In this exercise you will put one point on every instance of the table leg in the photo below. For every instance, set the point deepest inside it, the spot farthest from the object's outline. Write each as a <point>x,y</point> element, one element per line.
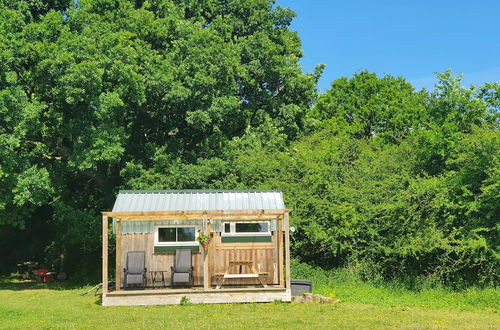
<point>262,282</point>
<point>221,281</point>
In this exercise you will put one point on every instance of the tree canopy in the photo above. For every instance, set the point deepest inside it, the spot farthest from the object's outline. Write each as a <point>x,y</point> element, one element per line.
<point>158,94</point>
<point>117,84</point>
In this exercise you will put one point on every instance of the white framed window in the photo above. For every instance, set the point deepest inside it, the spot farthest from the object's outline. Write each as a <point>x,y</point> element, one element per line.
<point>246,228</point>
<point>177,235</point>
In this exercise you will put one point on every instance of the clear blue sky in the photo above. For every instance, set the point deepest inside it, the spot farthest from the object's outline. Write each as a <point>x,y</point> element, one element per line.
<point>411,38</point>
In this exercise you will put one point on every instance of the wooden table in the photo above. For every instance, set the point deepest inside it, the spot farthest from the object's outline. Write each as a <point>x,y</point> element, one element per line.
<point>154,274</point>
<point>250,268</point>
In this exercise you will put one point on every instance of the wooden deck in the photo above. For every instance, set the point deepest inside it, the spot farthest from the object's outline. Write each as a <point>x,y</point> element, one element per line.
<point>195,295</point>
<point>270,259</point>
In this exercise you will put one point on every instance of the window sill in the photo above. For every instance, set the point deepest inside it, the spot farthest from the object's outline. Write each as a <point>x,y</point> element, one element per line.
<point>193,243</point>
<point>245,234</point>
<point>166,249</point>
<point>246,239</point>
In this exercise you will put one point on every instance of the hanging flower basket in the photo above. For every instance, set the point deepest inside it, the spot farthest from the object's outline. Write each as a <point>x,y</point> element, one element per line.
<point>203,238</point>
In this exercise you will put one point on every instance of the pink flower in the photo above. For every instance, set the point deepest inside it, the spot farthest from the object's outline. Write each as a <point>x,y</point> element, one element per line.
<point>199,230</point>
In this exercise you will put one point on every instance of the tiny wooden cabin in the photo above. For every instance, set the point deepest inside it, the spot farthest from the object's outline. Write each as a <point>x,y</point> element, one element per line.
<point>247,257</point>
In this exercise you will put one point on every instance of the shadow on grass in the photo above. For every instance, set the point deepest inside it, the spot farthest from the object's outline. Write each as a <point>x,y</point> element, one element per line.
<point>16,284</point>
<point>98,301</point>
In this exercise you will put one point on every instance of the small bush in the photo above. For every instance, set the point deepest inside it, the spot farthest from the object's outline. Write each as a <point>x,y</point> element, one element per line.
<point>185,301</point>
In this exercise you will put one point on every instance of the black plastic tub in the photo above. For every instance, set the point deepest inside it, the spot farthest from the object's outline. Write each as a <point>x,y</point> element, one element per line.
<point>301,286</point>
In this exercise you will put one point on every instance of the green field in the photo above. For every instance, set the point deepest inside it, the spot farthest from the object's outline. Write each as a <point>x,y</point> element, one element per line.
<point>363,305</point>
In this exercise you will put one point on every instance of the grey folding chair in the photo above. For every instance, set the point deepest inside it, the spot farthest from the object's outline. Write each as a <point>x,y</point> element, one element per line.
<point>182,272</point>
<point>135,273</point>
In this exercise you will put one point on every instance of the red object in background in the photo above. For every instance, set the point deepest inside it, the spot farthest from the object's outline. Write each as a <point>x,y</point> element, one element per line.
<point>43,275</point>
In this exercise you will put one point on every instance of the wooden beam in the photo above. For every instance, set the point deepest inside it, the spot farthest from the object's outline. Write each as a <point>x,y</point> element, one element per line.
<point>287,251</point>
<point>194,217</point>
<point>280,251</point>
<point>118,249</point>
<point>104,255</point>
<point>206,250</point>
<point>209,275</point>
<point>199,214</point>
<point>213,254</point>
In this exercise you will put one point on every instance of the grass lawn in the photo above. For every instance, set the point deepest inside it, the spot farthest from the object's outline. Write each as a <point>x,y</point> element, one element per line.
<point>26,305</point>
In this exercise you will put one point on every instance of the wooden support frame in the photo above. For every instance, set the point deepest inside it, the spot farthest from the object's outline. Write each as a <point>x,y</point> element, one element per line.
<point>118,250</point>
<point>280,252</point>
<point>193,217</point>
<point>197,215</point>
<point>282,241</point>
<point>104,255</point>
<point>287,251</point>
<point>206,251</point>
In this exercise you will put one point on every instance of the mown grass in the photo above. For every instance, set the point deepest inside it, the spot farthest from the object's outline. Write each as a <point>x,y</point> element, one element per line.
<point>363,305</point>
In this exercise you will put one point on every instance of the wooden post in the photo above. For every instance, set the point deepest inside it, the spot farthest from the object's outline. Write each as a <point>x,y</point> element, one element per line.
<point>205,254</point>
<point>104,255</point>
<point>209,274</point>
<point>280,251</point>
<point>287,251</point>
<point>118,249</point>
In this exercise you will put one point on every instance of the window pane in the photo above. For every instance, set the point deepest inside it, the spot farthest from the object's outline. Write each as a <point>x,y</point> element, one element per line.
<point>166,234</point>
<point>252,227</point>
<point>185,234</point>
<point>227,227</point>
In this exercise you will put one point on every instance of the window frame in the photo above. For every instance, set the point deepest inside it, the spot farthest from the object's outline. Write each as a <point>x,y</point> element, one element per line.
<point>233,233</point>
<point>176,243</point>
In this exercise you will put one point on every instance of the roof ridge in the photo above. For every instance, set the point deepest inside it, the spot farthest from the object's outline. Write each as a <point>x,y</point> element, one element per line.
<point>197,199</point>
<point>196,191</point>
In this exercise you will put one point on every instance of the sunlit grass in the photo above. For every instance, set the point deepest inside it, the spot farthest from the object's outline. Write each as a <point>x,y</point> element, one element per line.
<point>28,305</point>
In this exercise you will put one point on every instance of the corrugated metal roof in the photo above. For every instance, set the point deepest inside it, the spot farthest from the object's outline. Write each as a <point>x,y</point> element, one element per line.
<point>197,200</point>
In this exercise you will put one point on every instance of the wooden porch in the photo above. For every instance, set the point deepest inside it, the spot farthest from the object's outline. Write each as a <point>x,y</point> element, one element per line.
<point>196,295</point>
<point>270,261</point>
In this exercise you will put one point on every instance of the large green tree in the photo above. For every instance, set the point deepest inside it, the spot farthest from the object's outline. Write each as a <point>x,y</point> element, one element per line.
<point>420,202</point>
<point>124,84</point>
<point>366,105</point>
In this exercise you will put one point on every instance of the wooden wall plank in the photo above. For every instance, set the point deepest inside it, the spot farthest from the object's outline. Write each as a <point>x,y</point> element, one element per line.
<point>118,249</point>
<point>213,259</point>
<point>155,261</point>
<point>221,253</point>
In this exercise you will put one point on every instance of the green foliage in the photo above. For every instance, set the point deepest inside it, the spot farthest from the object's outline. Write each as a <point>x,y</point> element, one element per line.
<point>184,301</point>
<point>203,239</point>
<point>367,106</point>
<point>120,91</point>
<point>350,288</point>
<point>420,204</point>
<point>157,94</point>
